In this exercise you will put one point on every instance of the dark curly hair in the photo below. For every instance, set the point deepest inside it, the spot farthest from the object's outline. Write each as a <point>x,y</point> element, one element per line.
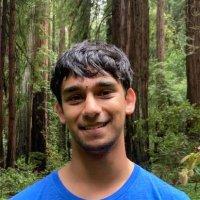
<point>87,59</point>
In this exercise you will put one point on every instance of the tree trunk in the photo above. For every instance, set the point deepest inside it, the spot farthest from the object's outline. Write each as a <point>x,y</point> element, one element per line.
<point>130,31</point>
<point>39,110</point>
<point>160,55</point>
<point>193,51</point>
<point>62,45</point>
<point>1,98</point>
<point>3,40</point>
<point>11,153</point>
<point>193,61</point>
<point>30,70</point>
<point>53,27</point>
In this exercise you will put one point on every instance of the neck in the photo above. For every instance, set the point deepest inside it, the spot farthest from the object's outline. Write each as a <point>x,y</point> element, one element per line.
<point>97,175</point>
<point>103,167</point>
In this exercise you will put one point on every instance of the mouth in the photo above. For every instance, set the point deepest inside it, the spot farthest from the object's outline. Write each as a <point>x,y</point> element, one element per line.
<point>93,126</point>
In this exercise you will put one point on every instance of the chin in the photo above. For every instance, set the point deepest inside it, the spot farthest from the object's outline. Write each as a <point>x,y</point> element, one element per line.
<point>101,149</point>
<point>98,150</point>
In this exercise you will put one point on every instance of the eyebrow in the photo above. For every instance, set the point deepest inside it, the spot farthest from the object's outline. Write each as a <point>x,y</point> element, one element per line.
<point>101,84</point>
<point>105,84</point>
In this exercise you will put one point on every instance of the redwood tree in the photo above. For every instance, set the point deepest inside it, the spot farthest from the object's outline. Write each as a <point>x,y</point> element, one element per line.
<point>62,46</point>
<point>130,31</point>
<point>3,40</point>
<point>160,84</point>
<point>160,55</point>
<point>11,153</point>
<point>39,106</point>
<point>193,51</point>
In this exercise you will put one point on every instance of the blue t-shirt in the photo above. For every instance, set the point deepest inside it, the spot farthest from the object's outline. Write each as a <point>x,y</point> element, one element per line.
<point>141,185</point>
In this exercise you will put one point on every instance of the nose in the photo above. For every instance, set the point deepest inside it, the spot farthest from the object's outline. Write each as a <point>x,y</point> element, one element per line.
<point>91,108</point>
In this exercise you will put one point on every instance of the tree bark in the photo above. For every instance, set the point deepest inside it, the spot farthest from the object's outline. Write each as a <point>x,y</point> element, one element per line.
<point>11,153</point>
<point>193,51</point>
<point>193,61</point>
<point>130,31</point>
<point>62,45</point>
<point>39,110</point>
<point>3,40</point>
<point>160,55</point>
<point>53,27</point>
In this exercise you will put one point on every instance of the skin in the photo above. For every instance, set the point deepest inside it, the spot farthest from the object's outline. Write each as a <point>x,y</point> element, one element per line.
<point>94,110</point>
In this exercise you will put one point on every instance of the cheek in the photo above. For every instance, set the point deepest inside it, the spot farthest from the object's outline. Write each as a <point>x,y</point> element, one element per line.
<point>118,110</point>
<point>70,115</point>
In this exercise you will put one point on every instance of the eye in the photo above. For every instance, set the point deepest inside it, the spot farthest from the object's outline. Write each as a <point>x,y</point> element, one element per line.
<point>74,99</point>
<point>105,94</point>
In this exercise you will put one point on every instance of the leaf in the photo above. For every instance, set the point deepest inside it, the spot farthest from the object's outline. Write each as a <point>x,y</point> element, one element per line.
<point>186,158</point>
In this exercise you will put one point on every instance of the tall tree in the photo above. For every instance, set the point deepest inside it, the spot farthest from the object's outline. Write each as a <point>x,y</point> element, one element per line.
<point>62,45</point>
<point>3,40</point>
<point>11,153</point>
<point>130,31</point>
<point>160,55</point>
<point>193,51</point>
<point>39,107</point>
<point>53,26</point>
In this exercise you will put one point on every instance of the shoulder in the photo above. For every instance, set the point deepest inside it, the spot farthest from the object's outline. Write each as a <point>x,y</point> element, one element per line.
<point>36,190</point>
<point>157,188</point>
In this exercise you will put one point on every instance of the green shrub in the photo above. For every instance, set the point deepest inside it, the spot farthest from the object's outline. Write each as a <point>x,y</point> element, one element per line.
<point>14,180</point>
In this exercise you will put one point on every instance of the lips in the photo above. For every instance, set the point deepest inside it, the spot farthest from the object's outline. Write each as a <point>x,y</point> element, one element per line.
<point>93,126</point>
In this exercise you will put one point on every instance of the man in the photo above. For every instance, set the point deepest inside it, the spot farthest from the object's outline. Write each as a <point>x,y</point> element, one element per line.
<point>92,84</point>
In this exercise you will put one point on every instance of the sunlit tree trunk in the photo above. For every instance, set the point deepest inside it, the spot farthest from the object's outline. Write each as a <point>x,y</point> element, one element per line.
<point>39,107</point>
<point>28,84</point>
<point>193,51</point>
<point>11,152</point>
<point>130,31</point>
<point>160,55</point>
<point>3,40</point>
<point>53,26</point>
<point>62,45</point>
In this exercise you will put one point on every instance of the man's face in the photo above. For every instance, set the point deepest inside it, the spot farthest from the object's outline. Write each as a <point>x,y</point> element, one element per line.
<point>94,110</point>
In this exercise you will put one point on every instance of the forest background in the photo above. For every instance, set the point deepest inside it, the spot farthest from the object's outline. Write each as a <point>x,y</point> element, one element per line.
<point>162,41</point>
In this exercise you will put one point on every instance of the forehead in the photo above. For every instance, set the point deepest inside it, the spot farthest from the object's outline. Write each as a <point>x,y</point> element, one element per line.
<point>84,82</point>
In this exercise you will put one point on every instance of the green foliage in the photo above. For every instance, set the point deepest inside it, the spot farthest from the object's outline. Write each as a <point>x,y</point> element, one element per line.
<point>169,138</point>
<point>100,13</point>
<point>171,122</point>
<point>14,180</point>
<point>192,190</point>
<point>56,156</point>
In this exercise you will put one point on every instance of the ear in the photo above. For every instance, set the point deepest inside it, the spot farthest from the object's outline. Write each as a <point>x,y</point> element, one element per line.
<point>59,111</point>
<point>130,101</point>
